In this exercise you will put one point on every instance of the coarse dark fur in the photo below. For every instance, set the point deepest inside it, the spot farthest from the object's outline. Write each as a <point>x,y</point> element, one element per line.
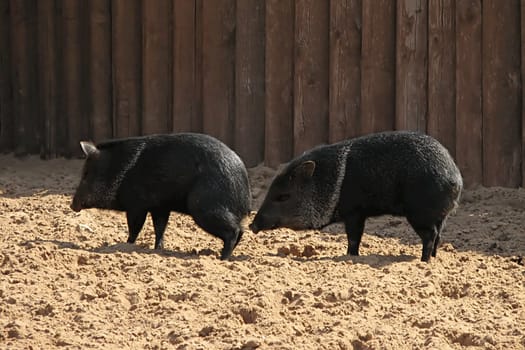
<point>189,173</point>
<point>400,173</point>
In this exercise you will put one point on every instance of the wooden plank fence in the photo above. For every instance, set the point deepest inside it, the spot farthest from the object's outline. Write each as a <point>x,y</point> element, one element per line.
<point>271,78</point>
<point>469,91</point>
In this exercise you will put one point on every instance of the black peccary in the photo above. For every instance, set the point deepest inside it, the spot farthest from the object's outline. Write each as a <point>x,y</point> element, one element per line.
<point>189,173</point>
<point>400,173</point>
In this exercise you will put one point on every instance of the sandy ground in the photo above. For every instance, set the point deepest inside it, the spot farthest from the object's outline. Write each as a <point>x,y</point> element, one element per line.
<point>68,281</point>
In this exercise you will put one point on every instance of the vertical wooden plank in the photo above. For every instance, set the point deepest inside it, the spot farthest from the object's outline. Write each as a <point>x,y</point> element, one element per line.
<point>411,62</point>
<point>184,65</point>
<point>218,68</point>
<point>197,122</point>
<point>345,69</point>
<point>74,75</point>
<point>6,107</point>
<point>501,93</point>
<point>61,131</point>
<point>47,75</point>
<point>523,93</point>
<point>157,70</point>
<point>311,74</point>
<point>378,67</point>
<point>126,46</point>
<point>23,58</point>
<point>468,91</point>
<point>249,81</point>
<point>279,62</point>
<point>100,108</point>
<point>441,72</point>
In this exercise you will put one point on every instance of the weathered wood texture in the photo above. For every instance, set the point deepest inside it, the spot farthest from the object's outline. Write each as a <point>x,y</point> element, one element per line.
<point>185,114</point>
<point>279,59</point>
<point>218,69</point>
<point>441,72</point>
<point>270,78</point>
<point>249,81</point>
<point>47,76</point>
<point>411,65</point>
<point>311,74</point>
<point>72,35</point>
<point>126,43</point>
<point>469,155</point>
<point>378,66</point>
<point>27,122</point>
<point>501,93</point>
<point>156,66</point>
<point>99,70</point>
<point>522,94</point>
<point>345,69</point>
<point>6,100</point>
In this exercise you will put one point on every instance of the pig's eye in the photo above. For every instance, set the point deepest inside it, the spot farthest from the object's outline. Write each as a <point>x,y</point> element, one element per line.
<point>282,197</point>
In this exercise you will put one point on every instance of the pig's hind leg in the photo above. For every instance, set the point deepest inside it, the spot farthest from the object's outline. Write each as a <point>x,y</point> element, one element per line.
<point>221,224</point>
<point>429,235</point>
<point>354,226</point>
<point>211,211</point>
<point>135,222</point>
<point>439,228</point>
<point>160,219</point>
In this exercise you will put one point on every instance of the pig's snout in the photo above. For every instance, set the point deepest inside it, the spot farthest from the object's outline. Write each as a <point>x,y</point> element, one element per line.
<point>76,206</point>
<point>262,222</point>
<point>253,226</point>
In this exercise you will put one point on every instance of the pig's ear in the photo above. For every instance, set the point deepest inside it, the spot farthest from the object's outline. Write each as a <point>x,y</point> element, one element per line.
<point>305,169</point>
<point>89,148</point>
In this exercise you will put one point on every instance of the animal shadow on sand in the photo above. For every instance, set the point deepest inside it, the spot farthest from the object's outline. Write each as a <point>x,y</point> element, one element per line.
<point>127,248</point>
<point>21,191</point>
<point>376,261</point>
<point>453,237</point>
